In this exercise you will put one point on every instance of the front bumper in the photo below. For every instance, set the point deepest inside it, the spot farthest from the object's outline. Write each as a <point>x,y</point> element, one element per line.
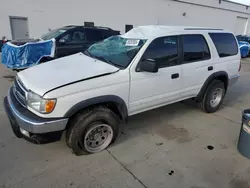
<point>22,119</point>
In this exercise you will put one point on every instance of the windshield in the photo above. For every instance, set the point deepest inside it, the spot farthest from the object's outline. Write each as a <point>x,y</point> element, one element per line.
<point>53,34</point>
<point>116,50</point>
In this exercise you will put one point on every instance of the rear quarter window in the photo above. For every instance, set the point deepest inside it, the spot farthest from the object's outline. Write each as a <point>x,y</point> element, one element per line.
<point>225,44</point>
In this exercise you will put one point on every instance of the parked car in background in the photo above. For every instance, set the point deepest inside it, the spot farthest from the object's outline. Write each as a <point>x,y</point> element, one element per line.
<point>54,44</point>
<point>244,48</point>
<point>73,39</point>
<point>88,95</point>
<point>244,45</point>
<point>244,38</point>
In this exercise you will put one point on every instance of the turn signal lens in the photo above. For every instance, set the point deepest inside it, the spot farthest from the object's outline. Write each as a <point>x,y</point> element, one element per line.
<point>50,105</point>
<point>39,104</point>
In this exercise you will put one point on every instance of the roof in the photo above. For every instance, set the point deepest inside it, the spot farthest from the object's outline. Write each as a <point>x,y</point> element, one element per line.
<point>152,31</point>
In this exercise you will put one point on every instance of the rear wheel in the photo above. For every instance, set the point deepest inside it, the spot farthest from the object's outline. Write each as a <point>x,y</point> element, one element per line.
<point>92,131</point>
<point>214,96</point>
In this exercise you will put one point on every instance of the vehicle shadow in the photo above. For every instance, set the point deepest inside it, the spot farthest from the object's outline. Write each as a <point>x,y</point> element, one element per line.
<point>160,121</point>
<point>238,93</point>
<point>164,118</point>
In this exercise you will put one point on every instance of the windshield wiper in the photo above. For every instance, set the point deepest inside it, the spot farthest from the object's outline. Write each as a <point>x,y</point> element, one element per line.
<point>86,52</point>
<point>109,61</point>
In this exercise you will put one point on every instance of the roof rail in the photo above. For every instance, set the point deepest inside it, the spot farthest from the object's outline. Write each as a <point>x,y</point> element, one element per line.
<point>100,27</point>
<point>71,26</point>
<point>203,29</point>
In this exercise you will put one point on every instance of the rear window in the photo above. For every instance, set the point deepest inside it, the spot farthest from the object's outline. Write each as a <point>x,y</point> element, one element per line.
<point>225,44</point>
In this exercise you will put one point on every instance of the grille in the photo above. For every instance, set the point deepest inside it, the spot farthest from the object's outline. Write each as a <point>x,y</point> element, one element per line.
<point>20,92</point>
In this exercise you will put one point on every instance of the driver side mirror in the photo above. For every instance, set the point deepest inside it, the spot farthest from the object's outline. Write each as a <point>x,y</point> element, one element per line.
<point>148,65</point>
<point>62,41</point>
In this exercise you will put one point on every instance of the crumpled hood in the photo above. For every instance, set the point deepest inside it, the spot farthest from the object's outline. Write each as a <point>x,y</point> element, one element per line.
<point>20,42</point>
<point>47,76</point>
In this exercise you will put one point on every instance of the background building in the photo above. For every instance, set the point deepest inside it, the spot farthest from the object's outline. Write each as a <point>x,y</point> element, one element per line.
<point>32,18</point>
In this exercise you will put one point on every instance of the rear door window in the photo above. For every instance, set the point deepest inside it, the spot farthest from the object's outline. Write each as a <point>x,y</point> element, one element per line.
<point>195,48</point>
<point>225,44</point>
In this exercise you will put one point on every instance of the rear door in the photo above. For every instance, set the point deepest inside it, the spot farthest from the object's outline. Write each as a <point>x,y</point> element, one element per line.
<point>72,42</point>
<point>228,58</point>
<point>197,64</point>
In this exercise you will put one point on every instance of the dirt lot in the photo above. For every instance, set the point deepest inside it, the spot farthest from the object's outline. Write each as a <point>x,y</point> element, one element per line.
<point>176,146</point>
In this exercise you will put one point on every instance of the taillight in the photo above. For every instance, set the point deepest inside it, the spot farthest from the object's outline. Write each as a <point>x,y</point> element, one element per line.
<point>240,66</point>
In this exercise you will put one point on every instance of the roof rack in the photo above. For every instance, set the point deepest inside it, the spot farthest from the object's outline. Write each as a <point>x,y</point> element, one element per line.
<point>203,29</point>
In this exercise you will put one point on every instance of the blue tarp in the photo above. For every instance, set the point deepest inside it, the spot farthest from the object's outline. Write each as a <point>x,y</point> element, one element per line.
<point>18,57</point>
<point>244,48</point>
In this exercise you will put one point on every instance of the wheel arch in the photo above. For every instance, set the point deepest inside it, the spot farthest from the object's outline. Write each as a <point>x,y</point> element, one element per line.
<point>115,103</point>
<point>220,75</point>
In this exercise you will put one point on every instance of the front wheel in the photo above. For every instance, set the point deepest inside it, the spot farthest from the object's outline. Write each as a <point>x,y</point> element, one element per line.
<point>213,97</point>
<point>92,131</point>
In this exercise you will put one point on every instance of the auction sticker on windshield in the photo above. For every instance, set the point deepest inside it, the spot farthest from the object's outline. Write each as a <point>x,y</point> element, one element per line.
<point>132,42</point>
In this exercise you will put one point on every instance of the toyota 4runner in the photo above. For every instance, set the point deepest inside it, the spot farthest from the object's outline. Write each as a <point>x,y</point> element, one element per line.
<point>88,94</point>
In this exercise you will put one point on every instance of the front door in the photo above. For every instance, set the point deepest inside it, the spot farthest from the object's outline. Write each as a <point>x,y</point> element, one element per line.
<point>150,90</point>
<point>19,27</point>
<point>197,64</point>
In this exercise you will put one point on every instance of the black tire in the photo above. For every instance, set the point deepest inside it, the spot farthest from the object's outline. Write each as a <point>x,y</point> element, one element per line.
<point>205,104</point>
<point>83,122</point>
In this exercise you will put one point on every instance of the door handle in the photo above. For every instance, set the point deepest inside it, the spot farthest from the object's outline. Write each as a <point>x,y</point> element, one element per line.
<point>174,76</point>
<point>210,68</point>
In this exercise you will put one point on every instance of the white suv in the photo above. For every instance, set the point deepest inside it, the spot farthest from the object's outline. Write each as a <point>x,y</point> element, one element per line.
<point>88,94</point>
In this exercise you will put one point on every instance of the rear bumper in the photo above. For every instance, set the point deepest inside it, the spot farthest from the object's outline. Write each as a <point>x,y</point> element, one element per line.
<point>22,119</point>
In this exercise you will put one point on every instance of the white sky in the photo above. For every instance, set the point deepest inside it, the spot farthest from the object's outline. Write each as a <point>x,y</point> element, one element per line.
<point>242,1</point>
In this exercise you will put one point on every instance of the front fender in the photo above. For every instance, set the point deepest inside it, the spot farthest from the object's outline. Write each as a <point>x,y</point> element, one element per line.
<point>119,102</point>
